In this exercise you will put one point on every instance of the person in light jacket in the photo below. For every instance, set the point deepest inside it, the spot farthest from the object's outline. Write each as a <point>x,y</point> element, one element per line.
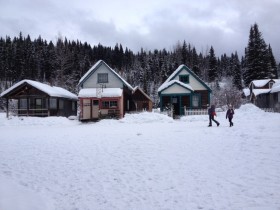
<point>212,113</point>
<point>229,115</point>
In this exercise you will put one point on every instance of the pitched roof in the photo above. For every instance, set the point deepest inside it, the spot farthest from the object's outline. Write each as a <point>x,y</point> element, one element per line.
<point>246,91</point>
<point>95,67</point>
<point>260,91</point>
<point>262,82</point>
<point>50,90</point>
<point>138,88</point>
<point>276,87</point>
<point>177,71</point>
<point>172,82</point>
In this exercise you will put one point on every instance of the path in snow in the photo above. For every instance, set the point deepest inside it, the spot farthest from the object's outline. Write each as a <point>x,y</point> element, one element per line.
<point>146,161</point>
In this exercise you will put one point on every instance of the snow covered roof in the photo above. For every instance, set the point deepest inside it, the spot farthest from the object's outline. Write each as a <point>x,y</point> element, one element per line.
<point>276,87</point>
<point>50,90</point>
<point>262,82</point>
<point>260,91</point>
<point>171,77</point>
<point>170,83</point>
<point>138,88</point>
<point>106,92</point>
<point>93,69</point>
<point>246,91</point>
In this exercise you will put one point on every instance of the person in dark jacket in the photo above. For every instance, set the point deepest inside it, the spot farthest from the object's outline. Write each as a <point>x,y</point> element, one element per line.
<point>229,115</point>
<point>212,113</point>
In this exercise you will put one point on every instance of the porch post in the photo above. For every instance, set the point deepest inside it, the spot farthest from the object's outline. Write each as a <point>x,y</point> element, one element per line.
<point>160,103</point>
<point>27,106</point>
<point>7,107</point>
<point>48,103</point>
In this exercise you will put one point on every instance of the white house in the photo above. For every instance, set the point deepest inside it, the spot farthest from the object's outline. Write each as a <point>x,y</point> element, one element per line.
<point>104,93</point>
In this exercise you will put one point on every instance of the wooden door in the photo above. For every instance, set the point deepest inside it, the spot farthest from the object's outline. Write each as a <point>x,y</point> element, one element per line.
<point>86,109</point>
<point>95,109</point>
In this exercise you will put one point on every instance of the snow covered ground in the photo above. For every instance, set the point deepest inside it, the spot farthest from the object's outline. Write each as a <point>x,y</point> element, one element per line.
<point>145,161</point>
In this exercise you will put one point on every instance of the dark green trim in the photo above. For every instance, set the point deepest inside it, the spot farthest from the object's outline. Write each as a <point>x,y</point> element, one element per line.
<point>193,74</point>
<point>185,78</point>
<point>176,82</point>
<point>181,108</point>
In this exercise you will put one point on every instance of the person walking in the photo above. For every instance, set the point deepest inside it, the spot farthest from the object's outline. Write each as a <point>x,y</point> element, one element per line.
<point>229,115</point>
<point>212,114</point>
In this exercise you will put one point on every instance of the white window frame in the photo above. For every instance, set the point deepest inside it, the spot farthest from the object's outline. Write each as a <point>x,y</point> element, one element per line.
<point>102,78</point>
<point>195,101</point>
<point>23,103</point>
<point>53,103</point>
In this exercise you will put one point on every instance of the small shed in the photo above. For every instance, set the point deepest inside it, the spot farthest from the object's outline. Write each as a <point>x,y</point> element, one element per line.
<point>262,93</point>
<point>100,103</point>
<point>37,99</point>
<point>141,100</point>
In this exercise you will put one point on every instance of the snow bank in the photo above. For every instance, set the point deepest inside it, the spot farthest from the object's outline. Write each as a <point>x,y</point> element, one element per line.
<point>146,117</point>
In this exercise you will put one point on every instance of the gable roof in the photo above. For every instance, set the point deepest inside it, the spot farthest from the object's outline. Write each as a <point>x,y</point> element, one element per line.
<point>246,92</point>
<point>276,87</point>
<point>177,71</point>
<point>166,85</point>
<point>95,67</point>
<point>49,90</point>
<point>138,88</point>
<point>262,82</point>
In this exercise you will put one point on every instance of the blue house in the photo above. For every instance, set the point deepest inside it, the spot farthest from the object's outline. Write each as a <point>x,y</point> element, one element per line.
<point>184,90</point>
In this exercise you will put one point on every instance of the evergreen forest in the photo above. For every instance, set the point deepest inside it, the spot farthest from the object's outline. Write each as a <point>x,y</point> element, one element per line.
<point>63,63</point>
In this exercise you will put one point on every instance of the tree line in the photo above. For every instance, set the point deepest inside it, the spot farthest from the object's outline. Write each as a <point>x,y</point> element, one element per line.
<point>63,63</point>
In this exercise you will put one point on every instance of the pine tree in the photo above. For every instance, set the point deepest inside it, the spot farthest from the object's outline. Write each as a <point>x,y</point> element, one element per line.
<point>184,53</point>
<point>236,71</point>
<point>273,65</point>
<point>213,65</point>
<point>257,57</point>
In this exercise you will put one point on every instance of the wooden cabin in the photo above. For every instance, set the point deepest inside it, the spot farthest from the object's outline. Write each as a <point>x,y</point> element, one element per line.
<point>184,90</point>
<point>141,101</point>
<point>37,99</point>
<point>105,94</point>
<point>264,93</point>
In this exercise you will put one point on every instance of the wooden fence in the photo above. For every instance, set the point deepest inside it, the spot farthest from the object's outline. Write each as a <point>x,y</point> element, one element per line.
<point>268,109</point>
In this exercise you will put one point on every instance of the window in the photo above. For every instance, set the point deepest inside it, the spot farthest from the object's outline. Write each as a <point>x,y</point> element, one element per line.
<point>23,103</point>
<point>61,104</point>
<point>38,103</point>
<point>102,78</point>
<point>113,104</point>
<point>105,104</point>
<point>195,101</point>
<point>109,104</point>
<point>95,102</point>
<point>184,78</point>
<point>270,84</point>
<point>73,106</point>
<point>53,103</point>
<point>174,100</point>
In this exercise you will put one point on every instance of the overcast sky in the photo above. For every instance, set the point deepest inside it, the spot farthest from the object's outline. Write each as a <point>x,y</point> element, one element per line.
<point>150,24</point>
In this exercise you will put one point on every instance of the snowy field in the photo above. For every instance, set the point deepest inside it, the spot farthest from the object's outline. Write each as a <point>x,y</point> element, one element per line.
<point>145,161</point>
